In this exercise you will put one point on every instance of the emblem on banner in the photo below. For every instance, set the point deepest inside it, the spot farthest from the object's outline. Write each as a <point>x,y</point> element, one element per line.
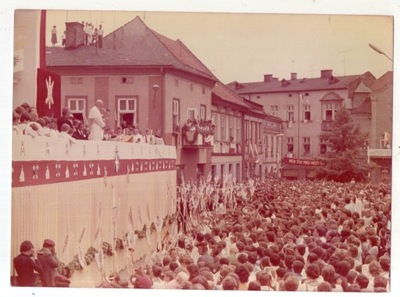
<point>49,84</point>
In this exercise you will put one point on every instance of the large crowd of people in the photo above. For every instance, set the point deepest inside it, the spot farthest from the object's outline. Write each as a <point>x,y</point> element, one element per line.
<point>274,235</point>
<point>26,121</point>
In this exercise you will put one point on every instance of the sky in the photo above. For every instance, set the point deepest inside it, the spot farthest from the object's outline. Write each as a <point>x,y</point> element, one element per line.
<point>245,46</point>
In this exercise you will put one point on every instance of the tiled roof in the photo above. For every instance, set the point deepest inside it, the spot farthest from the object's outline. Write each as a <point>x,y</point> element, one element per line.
<point>383,81</point>
<point>88,56</point>
<point>295,85</point>
<point>364,108</point>
<point>331,96</point>
<point>228,95</point>
<point>183,54</point>
<point>132,45</point>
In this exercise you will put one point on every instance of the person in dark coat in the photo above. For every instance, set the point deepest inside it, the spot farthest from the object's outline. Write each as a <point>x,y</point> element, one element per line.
<point>26,264</point>
<point>49,262</point>
<point>65,118</point>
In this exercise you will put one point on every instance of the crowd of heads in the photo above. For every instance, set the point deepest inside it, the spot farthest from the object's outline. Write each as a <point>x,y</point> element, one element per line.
<point>26,121</point>
<point>287,236</point>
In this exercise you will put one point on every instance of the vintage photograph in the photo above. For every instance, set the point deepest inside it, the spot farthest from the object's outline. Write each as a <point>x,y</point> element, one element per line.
<point>201,151</point>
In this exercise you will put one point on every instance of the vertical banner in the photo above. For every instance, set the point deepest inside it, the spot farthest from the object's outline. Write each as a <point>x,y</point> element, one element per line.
<point>48,97</point>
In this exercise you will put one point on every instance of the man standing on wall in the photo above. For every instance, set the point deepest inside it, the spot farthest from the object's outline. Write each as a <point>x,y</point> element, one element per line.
<point>96,121</point>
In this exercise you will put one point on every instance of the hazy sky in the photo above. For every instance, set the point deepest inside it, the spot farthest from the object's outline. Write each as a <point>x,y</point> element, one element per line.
<point>244,46</point>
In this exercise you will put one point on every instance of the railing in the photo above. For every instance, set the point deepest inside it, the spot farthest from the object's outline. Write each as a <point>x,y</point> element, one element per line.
<point>383,153</point>
<point>193,139</point>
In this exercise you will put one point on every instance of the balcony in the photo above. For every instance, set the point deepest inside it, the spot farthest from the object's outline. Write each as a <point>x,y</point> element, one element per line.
<point>379,153</point>
<point>197,135</point>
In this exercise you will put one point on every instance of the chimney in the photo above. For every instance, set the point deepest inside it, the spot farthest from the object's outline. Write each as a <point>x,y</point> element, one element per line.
<point>293,76</point>
<point>74,35</point>
<point>267,77</point>
<point>326,73</point>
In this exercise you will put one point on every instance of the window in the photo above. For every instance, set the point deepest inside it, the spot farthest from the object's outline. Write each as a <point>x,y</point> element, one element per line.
<point>203,114</point>
<point>274,110</point>
<point>192,114</point>
<point>307,112</point>
<point>77,107</point>
<point>238,128</point>
<point>322,146</point>
<point>272,146</point>
<point>306,145</point>
<point>175,112</point>
<point>290,145</point>
<point>127,80</point>
<point>291,113</point>
<point>329,111</point>
<point>127,111</point>
<point>231,127</point>
<point>384,140</point>
<point>266,146</point>
<point>238,171</point>
<point>214,120</point>
<point>222,128</point>
<point>76,80</point>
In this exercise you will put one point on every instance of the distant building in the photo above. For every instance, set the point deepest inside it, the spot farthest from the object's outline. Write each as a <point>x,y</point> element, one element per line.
<point>308,106</point>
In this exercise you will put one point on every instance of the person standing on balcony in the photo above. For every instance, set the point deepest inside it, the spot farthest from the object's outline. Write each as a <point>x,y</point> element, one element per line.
<point>96,121</point>
<point>158,138</point>
<point>137,137</point>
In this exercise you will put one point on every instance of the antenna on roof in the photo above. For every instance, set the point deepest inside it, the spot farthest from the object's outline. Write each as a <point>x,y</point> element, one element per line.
<point>114,32</point>
<point>344,59</point>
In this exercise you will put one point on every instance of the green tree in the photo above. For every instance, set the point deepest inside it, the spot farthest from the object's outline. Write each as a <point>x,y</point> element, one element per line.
<point>345,158</point>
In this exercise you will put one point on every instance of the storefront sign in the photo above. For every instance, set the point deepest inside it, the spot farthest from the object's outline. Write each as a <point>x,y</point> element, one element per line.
<point>303,162</point>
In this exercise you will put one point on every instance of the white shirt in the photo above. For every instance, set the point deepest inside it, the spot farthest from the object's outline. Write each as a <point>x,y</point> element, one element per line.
<point>96,124</point>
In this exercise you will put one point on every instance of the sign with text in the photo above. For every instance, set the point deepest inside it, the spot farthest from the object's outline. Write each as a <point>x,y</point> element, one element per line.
<point>303,162</point>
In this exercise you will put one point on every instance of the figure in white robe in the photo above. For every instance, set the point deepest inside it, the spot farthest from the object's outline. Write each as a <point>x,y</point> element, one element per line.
<point>96,121</point>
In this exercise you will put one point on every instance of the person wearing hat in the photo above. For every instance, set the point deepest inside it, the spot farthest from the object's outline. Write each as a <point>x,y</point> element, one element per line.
<point>26,264</point>
<point>49,263</point>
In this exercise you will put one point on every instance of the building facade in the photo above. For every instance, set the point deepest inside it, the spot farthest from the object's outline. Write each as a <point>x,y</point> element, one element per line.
<point>308,106</point>
<point>152,82</point>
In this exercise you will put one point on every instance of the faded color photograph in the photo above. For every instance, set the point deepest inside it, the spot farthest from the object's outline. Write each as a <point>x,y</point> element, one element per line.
<point>202,151</point>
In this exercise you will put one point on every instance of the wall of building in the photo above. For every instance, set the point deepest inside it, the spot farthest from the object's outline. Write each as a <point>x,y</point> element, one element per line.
<point>311,129</point>
<point>26,50</point>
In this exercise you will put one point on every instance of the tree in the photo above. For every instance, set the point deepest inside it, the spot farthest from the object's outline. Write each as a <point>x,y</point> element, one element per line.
<point>345,158</point>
